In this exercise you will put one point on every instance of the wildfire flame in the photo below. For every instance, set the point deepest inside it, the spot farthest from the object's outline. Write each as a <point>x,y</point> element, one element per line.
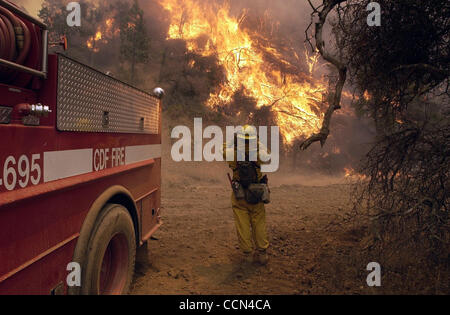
<point>296,102</point>
<point>351,174</point>
<point>104,32</point>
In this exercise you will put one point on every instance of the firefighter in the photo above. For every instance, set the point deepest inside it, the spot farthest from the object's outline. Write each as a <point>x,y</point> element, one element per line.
<point>249,211</point>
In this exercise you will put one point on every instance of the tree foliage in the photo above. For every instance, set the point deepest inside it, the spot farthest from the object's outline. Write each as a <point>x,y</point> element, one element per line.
<point>134,39</point>
<point>400,74</point>
<point>402,61</point>
<point>54,14</point>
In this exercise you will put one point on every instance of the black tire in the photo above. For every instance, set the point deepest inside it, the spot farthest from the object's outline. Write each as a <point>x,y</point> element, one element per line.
<point>111,254</point>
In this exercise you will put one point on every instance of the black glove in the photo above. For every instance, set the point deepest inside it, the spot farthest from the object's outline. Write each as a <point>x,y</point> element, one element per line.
<point>264,180</point>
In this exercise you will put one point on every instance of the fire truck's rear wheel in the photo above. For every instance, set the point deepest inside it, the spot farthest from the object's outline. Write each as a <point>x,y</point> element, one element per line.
<point>111,254</point>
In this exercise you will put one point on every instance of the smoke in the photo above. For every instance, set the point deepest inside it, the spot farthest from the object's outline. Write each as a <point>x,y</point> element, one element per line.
<point>286,21</point>
<point>293,15</point>
<point>188,89</point>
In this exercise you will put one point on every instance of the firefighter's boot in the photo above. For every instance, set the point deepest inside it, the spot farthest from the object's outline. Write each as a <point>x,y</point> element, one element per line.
<point>247,258</point>
<point>261,257</point>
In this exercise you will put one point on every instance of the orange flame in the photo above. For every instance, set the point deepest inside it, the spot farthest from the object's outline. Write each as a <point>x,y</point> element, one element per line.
<point>351,174</point>
<point>104,32</point>
<point>296,103</point>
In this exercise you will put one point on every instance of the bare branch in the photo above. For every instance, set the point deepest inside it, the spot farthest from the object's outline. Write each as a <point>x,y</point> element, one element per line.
<point>334,103</point>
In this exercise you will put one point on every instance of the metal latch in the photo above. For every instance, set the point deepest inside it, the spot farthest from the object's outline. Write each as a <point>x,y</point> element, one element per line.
<point>105,121</point>
<point>36,110</point>
<point>40,110</point>
<point>32,113</point>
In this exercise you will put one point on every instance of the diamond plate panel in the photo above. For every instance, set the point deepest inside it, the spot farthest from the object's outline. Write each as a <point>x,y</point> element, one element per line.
<point>5,115</point>
<point>86,96</point>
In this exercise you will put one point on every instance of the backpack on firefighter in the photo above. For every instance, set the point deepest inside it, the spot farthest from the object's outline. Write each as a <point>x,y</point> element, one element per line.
<point>248,186</point>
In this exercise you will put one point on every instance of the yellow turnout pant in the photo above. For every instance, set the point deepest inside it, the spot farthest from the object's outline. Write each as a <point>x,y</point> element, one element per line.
<point>250,225</point>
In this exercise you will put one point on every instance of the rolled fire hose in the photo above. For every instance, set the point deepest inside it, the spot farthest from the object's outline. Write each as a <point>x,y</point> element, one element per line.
<point>15,41</point>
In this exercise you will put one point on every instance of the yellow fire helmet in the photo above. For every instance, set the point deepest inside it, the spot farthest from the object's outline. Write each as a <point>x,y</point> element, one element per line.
<point>247,133</point>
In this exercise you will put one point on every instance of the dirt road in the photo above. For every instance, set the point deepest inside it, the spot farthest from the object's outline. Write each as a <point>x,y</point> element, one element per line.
<point>196,251</point>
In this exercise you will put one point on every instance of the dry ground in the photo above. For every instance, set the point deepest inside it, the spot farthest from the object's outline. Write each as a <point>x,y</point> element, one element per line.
<point>196,251</point>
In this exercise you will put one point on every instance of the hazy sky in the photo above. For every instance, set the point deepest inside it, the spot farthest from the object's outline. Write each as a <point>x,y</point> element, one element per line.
<point>32,6</point>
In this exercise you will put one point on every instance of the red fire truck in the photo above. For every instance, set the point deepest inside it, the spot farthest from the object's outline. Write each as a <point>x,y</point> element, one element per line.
<point>80,168</point>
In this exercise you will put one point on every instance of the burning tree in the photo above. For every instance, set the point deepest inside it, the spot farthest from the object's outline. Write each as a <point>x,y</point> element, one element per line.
<point>400,76</point>
<point>97,29</point>
<point>265,76</point>
<point>51,14</point>
<point>116,29</point>
<point>134,40</point>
